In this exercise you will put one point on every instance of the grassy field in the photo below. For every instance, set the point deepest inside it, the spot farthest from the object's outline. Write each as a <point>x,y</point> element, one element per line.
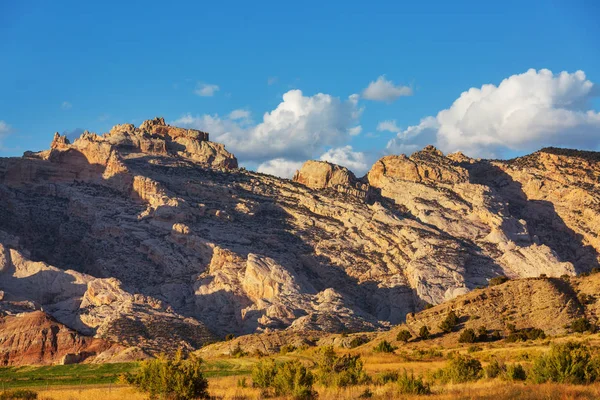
<point>98,381</point>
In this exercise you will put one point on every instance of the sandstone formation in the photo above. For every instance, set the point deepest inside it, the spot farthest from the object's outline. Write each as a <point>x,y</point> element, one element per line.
<point>153,238</point>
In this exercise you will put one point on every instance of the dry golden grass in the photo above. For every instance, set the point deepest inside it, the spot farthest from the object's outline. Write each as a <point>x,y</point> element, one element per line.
<point>91,393</point>
<point>225,388</point>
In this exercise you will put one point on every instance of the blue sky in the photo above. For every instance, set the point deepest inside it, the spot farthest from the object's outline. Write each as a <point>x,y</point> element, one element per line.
<point>91,65</point>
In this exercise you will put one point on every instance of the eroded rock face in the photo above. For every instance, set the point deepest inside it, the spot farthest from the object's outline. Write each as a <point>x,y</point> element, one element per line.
<point>146,237</point>
<point>322,174</point>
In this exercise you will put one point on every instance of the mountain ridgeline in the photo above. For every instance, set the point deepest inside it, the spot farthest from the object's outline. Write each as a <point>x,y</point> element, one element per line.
<point>151,238</point>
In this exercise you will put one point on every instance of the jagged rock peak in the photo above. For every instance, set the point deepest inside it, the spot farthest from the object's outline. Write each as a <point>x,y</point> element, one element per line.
<point>152,137</point>
<point>430,149</point>
<point>323,174</point>
<point>59,141</point>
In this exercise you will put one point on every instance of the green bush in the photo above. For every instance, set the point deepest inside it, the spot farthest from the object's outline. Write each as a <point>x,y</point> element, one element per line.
<point>287,348</point>
<point>21,394</point>
<point>498,280</point>
<point>175,378</point>
<point>384,347</point>
<point>525,334</point>
<point>424,333</point>
<point>293,379</point>
<point>460,369</point>
<point>482,334</point>
<point>333,370</point>
<point>288,379</point>
<point>515,372</point>
<point>568,362</point>
<point>358,341</point>
<point>580,325</point>
<point>263,374</point>
<point>494,369</point>
<point>403,336</point>
<point>474,349</point>
<point>409,384</point>
<point>450,322</point>
<point>467,336</point>
<point>238,352</point>
<point>386,377</point>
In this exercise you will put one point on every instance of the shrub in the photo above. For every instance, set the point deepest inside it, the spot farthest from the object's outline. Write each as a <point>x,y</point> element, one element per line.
<point>424,333</point>
<point>460,369</point>
<point>229,336</point>
<point>474,349</point>
<point>515,372</point>
<point>450,322</point>
<point>568,362</point>
<point>386,377</point>
<point>293,379</point>
<point>498,280</point>
<point>263,374</point>
<point>384,347</point>
<point>366,394</point>
<point>409,384</point>
<point>21,394</point>
<point>358,341</point>
<point>595,270</point>
<point>176,378</point>
<point>403,336</point>
<point>333,370</point>
<point>482,334</point>
<point>467,336</point>
<point>287,348</point>
<point>580,325</point>
<point>237,352</point>
<point>494,369</point>
<point>242,383</point>
<point>525,334</point>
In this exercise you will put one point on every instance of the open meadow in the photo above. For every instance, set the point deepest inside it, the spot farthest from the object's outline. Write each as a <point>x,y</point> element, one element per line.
<point>232,377</point>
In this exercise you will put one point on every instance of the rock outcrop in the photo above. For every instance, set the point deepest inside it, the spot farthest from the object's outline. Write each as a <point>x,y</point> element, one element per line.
<point>152,238</point>
<point>322,175</point>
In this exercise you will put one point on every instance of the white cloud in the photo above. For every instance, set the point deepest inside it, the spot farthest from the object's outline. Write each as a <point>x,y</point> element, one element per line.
<point>239,114</point>
<point>297,129</point>
<point>524,113</point>
<point>280,167</point>
<point>384,90</point>
<point>389,126</point>
<point>355,161</point>
<point>354,131</point>
<point>4,131</point>
<point>206,90</point>
<point>66,105</point>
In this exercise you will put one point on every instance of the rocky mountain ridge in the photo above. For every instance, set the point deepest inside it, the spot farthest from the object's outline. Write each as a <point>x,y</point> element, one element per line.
<point>153,238</point>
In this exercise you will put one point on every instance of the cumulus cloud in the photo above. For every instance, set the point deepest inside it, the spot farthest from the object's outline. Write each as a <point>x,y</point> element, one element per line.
<point>389,126</point>
<point>206,90</point>
<point>239,114</point>
<point>384,90</point>
<point>66,105</point>
<point>355,161</point>
<point>280,167</point>
<point>297,129</point>
<point>523,113</point>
